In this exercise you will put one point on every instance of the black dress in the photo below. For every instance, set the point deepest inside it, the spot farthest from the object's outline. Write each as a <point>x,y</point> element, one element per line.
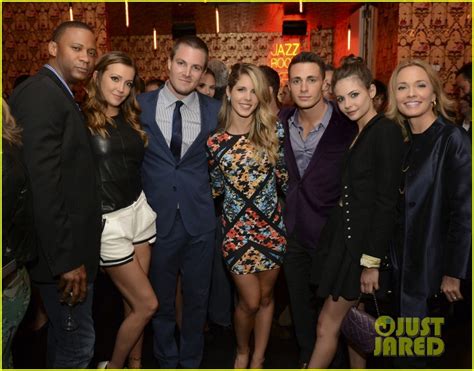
<point>363,220</point>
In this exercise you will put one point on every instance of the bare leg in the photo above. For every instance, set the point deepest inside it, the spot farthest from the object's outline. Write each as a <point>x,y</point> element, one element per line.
<point>248,289</point>
<point>143,255</point>
<point>328,328</point>
<point>264,317</point>
<point>356,359</point>
<point>136,289</point>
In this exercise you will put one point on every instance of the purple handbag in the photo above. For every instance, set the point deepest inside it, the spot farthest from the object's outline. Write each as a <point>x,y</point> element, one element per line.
<point>359,328</point>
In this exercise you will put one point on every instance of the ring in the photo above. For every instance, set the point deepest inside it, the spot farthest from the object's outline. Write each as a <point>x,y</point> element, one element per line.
<point>455,298</point>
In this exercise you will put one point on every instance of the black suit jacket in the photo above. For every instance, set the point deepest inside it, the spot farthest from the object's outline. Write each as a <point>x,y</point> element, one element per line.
<point>59,159</point>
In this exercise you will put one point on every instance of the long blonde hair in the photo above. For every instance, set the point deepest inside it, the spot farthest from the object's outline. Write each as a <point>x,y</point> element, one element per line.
<point>444,106</point>
<point>262,132</point>
<point>11,132</point>
<point>95,105</point>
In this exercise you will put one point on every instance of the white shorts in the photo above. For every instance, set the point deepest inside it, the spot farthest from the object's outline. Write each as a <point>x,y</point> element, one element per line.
<point>132,225</point>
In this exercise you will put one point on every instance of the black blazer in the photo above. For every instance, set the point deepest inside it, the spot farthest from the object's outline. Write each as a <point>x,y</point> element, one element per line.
<point>437,217</point>
<point>370,181</point>
<point>59,159</point>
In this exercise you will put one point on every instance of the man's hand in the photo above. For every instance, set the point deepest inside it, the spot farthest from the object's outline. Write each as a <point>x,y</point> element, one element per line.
<point>73,286</point>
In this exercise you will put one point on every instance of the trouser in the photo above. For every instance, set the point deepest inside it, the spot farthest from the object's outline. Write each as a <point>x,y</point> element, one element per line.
<point>221,303</point>
<point>68,348</point>
<point>191,257</point>
<point>297,267</point>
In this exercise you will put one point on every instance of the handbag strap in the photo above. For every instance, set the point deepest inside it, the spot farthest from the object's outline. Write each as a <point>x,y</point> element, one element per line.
<point>375,302</point>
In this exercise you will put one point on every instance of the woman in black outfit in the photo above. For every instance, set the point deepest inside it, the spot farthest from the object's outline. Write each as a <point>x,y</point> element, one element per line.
<point>357,235</point>
<point>118,143</point>
<point>18,235</point>
<point>434,234</point>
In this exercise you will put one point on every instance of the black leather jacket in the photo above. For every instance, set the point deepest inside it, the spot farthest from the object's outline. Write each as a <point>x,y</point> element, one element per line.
<point>119,157</point>
<point>18,237</point>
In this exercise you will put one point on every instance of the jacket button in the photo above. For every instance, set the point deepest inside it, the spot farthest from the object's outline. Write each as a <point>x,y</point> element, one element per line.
<point>174,188</point>
<point>176,167</point>
<point>412,204</point>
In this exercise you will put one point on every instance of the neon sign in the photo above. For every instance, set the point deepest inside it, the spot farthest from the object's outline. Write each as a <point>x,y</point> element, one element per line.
<point>281,55</point>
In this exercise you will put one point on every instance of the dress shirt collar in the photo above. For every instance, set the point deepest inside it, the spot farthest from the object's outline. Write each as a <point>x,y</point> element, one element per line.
<point>170,99</point>
<point>293,120</point>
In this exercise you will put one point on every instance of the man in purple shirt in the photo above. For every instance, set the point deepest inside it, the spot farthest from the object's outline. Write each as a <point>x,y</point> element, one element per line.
<point>317,135</point>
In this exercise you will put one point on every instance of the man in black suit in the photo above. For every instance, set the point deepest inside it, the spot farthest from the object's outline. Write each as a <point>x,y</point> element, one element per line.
<point>66,206</point>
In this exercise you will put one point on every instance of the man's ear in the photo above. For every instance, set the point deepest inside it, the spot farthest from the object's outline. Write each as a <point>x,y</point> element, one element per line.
<point>53,48</point>
<point>169,64</point>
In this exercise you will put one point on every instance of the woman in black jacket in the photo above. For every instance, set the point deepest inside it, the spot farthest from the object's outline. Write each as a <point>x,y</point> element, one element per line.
<point>356,237</point>
<point>434,234</point>
<point>18,235</point>
<point>118,144</point>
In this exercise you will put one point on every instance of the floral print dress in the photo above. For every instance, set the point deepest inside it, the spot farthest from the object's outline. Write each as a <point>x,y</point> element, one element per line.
<point>253,229</point>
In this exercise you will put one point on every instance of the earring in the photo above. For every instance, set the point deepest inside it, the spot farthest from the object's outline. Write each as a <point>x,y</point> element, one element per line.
<point>228,99</point>
<point>434,103</point>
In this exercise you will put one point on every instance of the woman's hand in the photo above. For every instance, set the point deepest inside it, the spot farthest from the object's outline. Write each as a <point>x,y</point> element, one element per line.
<point>451,287</point>
<point>369,280</point>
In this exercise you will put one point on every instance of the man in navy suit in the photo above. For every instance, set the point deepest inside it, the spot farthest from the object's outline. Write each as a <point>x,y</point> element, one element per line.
<point>175,179</point>
<point>317,136</point>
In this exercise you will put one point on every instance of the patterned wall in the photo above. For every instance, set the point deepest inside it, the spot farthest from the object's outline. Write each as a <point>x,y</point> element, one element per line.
<point>386,41</point>
<point>27,28</point>
<point>437,32</point>
<point>228,47</point>
<point>440,33</point>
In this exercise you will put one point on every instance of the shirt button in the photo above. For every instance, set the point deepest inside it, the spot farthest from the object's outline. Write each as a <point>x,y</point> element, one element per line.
<point>347,212</point>
<point>345,187</point>
<point>349,236</point>
<point>347,219</point>
<point>346,196</point>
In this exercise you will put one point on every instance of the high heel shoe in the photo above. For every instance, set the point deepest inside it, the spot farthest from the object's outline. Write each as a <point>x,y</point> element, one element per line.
<point>102,365</point>
<point>134,362</point>
<point>257,364</point>
<point>238,363</point>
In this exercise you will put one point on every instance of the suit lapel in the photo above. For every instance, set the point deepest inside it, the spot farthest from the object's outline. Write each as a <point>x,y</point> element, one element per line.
<point>323,145</point>
<point>67,94</point>
<point>289,153</point>
<point>149,120</point>
<point>204,127</point>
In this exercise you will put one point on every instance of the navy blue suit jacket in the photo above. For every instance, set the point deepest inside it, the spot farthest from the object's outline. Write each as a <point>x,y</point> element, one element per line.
<point>168,183</point>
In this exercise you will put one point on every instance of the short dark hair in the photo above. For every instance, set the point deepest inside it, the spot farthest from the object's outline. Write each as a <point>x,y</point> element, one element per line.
<point>380,88</point>
<point>273,79</point>
<point>59,31</point>
<point>192,41</point>
<point>308,57</point>
<point>466,71</point>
